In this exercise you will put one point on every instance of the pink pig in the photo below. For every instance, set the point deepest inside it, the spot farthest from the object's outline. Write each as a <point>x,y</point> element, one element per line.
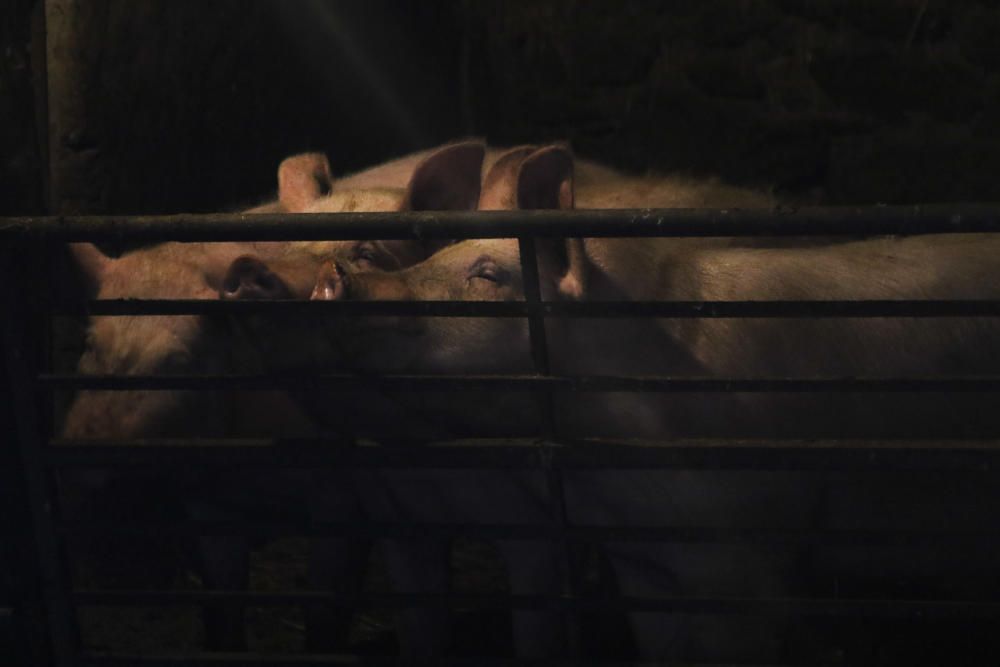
<point>668,269</point>
<point>132,345</point>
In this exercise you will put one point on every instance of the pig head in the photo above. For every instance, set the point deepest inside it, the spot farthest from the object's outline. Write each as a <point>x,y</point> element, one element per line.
<point>484,270</point>
<point>447,178</point>
<point>133,345</point>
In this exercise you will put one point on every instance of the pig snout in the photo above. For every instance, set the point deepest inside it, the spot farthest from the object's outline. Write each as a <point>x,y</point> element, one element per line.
<point>331,283</point>
<point>334,283</point>
<point>250,278</point>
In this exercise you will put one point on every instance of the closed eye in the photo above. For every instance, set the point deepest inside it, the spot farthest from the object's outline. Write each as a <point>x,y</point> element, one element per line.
<point>364,255</point>
<point>487,273</point>
<point>487,269</point>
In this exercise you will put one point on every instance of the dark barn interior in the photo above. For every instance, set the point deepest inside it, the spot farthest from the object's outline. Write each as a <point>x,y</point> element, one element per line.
<point>121,108</point>
<point>151,106</point>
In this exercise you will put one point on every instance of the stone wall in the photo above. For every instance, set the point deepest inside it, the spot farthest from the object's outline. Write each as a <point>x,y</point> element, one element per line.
<point>22,164</point>
<point>172,105</point>
<point>843,101</point>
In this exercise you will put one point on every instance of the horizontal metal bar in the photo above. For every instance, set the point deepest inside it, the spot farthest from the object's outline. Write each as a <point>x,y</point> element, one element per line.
<point>107,659</point>
<point>279,454</point>
<point>977,456</point>
<point>841,607</point>
<point>833,221</point>
<point>329,308</point>
<point>528,532</point>
<point>137,598</point>
<point>923,609</point>
<point>602,309</point>
<point>459,383</point>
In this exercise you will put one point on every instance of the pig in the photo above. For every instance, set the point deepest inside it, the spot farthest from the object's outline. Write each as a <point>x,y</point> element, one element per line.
<point>419,566</point>
<point>192,344</point>
<point>618,190</point>
<point>392,496</point>
<point>939,266</point>
<point>601,187</point>
<point>175,344</point>
<point>536,635</point>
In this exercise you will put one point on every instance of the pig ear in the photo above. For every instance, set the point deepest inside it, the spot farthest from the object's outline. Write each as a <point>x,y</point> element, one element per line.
<point>545,181</point>
<point>250,278</point>
<point>92,262</point>
<point>448,179</point>
<point>302,179</point>
<point>499,191</point>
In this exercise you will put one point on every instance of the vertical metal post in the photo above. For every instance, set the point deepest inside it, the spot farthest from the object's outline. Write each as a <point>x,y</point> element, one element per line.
<point>553,475</point>
<point>40,81</point>
<point>20,601</point>
<point>21,357</point>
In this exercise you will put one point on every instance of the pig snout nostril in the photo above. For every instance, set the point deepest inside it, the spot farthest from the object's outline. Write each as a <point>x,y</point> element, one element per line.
<point>231,284</point>
<point>331,284</point>
<point>250,278</point>
<point>265,282</point>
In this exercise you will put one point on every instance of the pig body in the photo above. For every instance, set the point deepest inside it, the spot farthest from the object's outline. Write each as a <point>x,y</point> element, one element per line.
<point>477,496</point>
<point>940,267</point>
<point>616,190</point>
<point>910,268</point>
<point>629,269</point>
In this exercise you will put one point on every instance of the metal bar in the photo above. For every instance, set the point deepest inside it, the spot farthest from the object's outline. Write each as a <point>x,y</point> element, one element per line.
<point>555,492</point>
<point>600,533</point>
<point>974,456</point>
<point>923,609</point>
<point>832,221</point>
<point>21,358</point>
<point>837,607</point>
<point>141,598</point>
<point>96,659</point>
<point>330,308</point>
<point>349,382</point>
<point>590,309</point>
<point>532,298</point>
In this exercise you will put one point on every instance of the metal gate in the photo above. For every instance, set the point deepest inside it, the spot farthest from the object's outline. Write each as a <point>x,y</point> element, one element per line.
<point>28,304</point>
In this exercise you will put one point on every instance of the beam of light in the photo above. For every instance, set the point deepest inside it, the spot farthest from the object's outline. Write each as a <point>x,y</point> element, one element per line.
<point>323,17</point>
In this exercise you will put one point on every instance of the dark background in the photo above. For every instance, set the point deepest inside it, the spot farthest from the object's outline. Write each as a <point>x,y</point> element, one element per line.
<point>179,105</point>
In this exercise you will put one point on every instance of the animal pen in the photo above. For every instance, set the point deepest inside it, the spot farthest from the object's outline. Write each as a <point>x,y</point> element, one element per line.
<point>44,602</point>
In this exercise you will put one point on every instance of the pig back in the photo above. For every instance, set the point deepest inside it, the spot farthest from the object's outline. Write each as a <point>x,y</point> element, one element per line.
<point>598,188</point>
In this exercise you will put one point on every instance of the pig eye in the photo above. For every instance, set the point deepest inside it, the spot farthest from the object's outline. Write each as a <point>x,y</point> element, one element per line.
<point>364,255</point>
<point>487,270</point>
